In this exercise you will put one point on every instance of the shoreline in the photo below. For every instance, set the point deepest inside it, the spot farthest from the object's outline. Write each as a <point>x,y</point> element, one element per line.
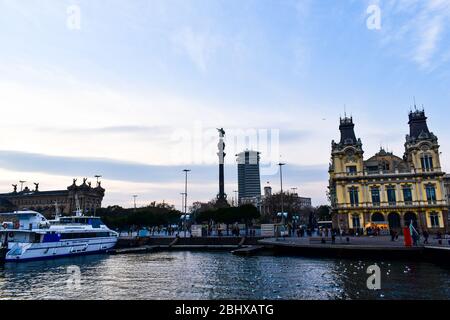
<point>362,247</point>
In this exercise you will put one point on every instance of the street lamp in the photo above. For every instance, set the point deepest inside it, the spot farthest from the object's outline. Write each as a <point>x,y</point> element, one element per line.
<point>186,171</point>
<point>281,185</point>
<point>182,202</point>
<point>135,196</point>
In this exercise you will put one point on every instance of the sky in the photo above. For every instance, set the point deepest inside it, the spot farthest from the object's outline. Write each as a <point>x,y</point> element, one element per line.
<point>134,90</point>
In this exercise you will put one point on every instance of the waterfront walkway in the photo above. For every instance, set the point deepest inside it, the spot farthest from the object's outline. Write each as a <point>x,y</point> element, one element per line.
<point>355,247</point>
<point>368,242</point>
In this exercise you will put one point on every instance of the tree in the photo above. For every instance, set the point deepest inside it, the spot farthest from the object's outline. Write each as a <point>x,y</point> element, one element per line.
<point>323,213</point>
<point>244,213</point>
<point>152,215</point>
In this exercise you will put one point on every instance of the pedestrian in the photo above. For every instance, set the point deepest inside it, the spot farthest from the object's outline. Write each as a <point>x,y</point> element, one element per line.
<point>425,236</point>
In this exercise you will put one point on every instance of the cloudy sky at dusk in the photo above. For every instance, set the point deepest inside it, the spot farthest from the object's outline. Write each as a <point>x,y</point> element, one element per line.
<point>135,91</point>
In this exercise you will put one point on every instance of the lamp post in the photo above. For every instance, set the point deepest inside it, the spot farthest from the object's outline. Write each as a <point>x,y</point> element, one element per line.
<point>186,171</point>
<point>236,197</point>
<point>182,202</point>
<point>281,186</point>
<point>134,198</point>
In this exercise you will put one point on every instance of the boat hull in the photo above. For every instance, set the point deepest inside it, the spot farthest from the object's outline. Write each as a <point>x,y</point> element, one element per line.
<point>54,250</point>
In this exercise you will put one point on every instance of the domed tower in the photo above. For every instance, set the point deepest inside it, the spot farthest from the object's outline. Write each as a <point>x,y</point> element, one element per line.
<point>347,155</point>
<point>346,168</point>
<point>421,146</point>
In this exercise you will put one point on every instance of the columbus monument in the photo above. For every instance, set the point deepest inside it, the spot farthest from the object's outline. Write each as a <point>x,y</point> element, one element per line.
<point>221,197</point>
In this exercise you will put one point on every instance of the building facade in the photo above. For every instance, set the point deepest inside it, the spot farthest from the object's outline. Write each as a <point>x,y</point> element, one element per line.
<point>292,203</point>
<point>447,187</point>
<point>89,199</point>
<point>386,191</point>
<point>249,182</point>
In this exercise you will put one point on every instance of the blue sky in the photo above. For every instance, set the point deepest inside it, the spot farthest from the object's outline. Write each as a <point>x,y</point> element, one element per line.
<point>119,95</point>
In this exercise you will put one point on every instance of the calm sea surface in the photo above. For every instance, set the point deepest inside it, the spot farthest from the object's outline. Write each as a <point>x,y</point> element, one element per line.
<point>200,275</point>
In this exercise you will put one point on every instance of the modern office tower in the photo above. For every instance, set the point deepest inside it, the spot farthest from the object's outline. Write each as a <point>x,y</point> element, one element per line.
<point>249,183</point>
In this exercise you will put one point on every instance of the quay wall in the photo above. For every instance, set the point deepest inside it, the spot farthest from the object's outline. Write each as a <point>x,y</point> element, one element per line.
<point>128,242</point>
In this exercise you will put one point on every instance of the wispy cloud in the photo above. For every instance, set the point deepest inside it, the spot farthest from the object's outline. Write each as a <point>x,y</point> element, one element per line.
<point>133,171</point>
<point>419,27</point>
<point>198,46</point>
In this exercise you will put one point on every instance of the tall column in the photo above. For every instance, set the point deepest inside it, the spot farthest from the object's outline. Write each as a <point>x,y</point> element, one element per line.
<point>221,197</point>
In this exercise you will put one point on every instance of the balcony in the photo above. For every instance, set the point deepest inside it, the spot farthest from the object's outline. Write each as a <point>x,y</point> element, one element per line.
<point>398,204</point>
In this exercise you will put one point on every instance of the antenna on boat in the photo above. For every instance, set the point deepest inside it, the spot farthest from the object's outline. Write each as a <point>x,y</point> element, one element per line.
<point>78,212</point>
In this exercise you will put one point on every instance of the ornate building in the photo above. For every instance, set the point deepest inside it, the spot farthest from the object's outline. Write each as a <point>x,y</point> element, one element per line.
<point>89,199</point>
<point>447,187</point>
<point>386,191</point>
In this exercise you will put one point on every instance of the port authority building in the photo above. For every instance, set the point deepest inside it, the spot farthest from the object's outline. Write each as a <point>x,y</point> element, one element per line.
<point>387,192</point>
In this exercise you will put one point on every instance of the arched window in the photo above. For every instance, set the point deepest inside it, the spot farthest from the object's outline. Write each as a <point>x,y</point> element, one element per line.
<point>431,193</point>
<point>354,196</point>
<point>356,221</point>
<point>434,220</point>
<point>427,162</point>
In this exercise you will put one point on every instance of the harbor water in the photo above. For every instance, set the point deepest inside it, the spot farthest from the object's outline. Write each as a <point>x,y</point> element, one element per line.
<point>218,275</point>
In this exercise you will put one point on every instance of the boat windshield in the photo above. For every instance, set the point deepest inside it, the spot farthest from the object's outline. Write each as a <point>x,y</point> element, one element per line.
<point>94,222</point>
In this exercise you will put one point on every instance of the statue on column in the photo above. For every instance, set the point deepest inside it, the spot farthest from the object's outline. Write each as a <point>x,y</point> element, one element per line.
<point>221,197</point>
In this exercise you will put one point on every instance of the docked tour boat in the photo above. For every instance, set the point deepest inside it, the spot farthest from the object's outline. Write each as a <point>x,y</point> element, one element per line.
<point>31,236</point>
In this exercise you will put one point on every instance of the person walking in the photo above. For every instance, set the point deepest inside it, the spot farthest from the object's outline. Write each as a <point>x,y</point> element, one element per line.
<point>425,236</point>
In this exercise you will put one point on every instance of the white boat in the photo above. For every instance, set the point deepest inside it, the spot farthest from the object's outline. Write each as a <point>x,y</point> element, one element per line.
<point>33,237</point>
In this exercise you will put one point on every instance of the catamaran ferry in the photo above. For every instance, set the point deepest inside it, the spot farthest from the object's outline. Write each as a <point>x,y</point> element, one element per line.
<point>34,237</point>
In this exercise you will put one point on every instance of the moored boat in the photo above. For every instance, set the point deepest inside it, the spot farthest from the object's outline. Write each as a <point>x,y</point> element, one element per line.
<point>31,236</point>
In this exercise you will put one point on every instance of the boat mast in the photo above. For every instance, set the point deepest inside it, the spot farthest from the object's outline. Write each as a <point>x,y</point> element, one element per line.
<point>78,211</point>
<point>57,212</point>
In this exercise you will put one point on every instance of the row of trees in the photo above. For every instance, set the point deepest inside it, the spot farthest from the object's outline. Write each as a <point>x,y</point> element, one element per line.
<point>157,214</point>
<point>153,215</point>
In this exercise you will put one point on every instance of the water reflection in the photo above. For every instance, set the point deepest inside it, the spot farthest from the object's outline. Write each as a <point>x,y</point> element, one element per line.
<point>200,275</point>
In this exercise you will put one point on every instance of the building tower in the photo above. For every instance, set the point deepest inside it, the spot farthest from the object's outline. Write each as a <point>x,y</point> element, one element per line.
<point>423,157</point>
<point>421,146</point>
<point>249,183</point>
<point>346,160</point>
